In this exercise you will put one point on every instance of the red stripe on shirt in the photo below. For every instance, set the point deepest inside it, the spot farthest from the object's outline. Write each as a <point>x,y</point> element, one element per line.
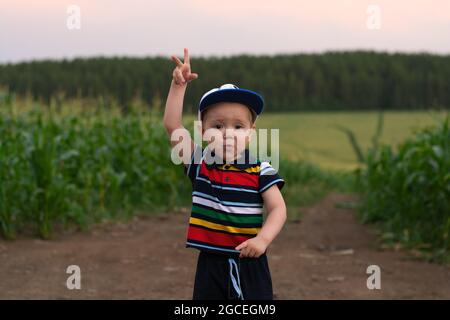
<point>215,238</point>
<point>230,177</point>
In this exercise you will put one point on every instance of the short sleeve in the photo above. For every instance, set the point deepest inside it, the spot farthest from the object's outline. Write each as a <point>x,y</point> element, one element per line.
<point>190,169</point>
<point>268,176</point>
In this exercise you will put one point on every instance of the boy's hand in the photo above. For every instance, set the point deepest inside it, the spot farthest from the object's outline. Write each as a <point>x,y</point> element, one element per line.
<point>182,72</point>
<point>252,248</point>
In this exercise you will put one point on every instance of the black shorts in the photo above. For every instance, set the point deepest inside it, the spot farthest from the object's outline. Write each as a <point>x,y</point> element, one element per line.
<point>218,278</point>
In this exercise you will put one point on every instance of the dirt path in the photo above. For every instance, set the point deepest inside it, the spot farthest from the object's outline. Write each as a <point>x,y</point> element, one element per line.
<point>324,256</point>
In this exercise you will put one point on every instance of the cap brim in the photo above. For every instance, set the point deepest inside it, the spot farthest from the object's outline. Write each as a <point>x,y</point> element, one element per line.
<point>247,97</point>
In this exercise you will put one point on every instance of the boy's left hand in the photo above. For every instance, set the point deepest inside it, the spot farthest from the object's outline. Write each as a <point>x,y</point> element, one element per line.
<point>252,248</point>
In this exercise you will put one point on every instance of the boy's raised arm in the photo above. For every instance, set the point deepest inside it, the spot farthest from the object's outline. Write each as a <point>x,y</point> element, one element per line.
<point>173,113</point>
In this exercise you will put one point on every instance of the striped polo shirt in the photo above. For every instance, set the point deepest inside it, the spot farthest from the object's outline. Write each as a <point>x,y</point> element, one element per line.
<point>227,205</point>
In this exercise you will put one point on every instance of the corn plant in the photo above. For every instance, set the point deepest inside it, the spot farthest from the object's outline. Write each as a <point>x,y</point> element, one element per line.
<point>408,191</point>
<point>77,170</point>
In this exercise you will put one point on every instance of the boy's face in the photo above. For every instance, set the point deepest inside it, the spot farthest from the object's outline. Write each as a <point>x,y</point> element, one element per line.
<point>227,128</point>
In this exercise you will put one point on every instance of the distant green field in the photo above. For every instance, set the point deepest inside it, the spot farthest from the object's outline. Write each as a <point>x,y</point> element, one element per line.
<point>311,135</point>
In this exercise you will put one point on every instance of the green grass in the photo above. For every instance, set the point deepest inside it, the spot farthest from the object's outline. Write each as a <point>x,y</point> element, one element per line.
<point>311,136</point>
<point>307,183</point>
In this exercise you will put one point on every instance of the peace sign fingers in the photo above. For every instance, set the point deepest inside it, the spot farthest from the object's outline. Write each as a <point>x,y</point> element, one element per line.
<point>186,56</point>
<point>177,61</point>
<point>182,72</point>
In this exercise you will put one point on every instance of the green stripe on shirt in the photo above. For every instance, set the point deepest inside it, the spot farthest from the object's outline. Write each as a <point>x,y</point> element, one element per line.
<point>227,217</point>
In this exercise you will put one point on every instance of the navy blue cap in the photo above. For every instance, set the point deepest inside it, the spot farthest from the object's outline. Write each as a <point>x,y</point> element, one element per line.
<point>231,93</point>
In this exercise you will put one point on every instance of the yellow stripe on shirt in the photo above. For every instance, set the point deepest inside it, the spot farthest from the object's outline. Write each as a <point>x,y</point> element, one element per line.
<point>216,226</point>
<point>230,167</point>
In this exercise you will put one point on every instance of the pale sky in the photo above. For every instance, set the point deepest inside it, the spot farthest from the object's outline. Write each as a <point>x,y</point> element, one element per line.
<point>38,29</point>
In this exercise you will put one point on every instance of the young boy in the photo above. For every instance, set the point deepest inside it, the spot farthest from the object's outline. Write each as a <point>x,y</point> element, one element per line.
<point>229,193</point>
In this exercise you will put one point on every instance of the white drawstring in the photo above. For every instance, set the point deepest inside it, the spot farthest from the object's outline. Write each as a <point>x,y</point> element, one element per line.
<point>236,283</point>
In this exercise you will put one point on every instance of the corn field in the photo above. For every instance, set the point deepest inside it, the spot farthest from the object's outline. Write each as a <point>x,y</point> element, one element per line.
<point>76,168</point>
<point>79,169</point>
<point>407,191</point>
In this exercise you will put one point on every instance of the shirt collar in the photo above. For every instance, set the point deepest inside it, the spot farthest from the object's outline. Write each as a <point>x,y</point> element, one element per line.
<point>249,161</point>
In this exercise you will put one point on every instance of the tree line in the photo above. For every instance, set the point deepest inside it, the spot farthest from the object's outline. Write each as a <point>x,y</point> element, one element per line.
<point>353,80</point>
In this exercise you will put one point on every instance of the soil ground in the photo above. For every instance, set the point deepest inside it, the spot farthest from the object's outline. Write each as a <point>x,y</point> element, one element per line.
<point>323,256</point>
